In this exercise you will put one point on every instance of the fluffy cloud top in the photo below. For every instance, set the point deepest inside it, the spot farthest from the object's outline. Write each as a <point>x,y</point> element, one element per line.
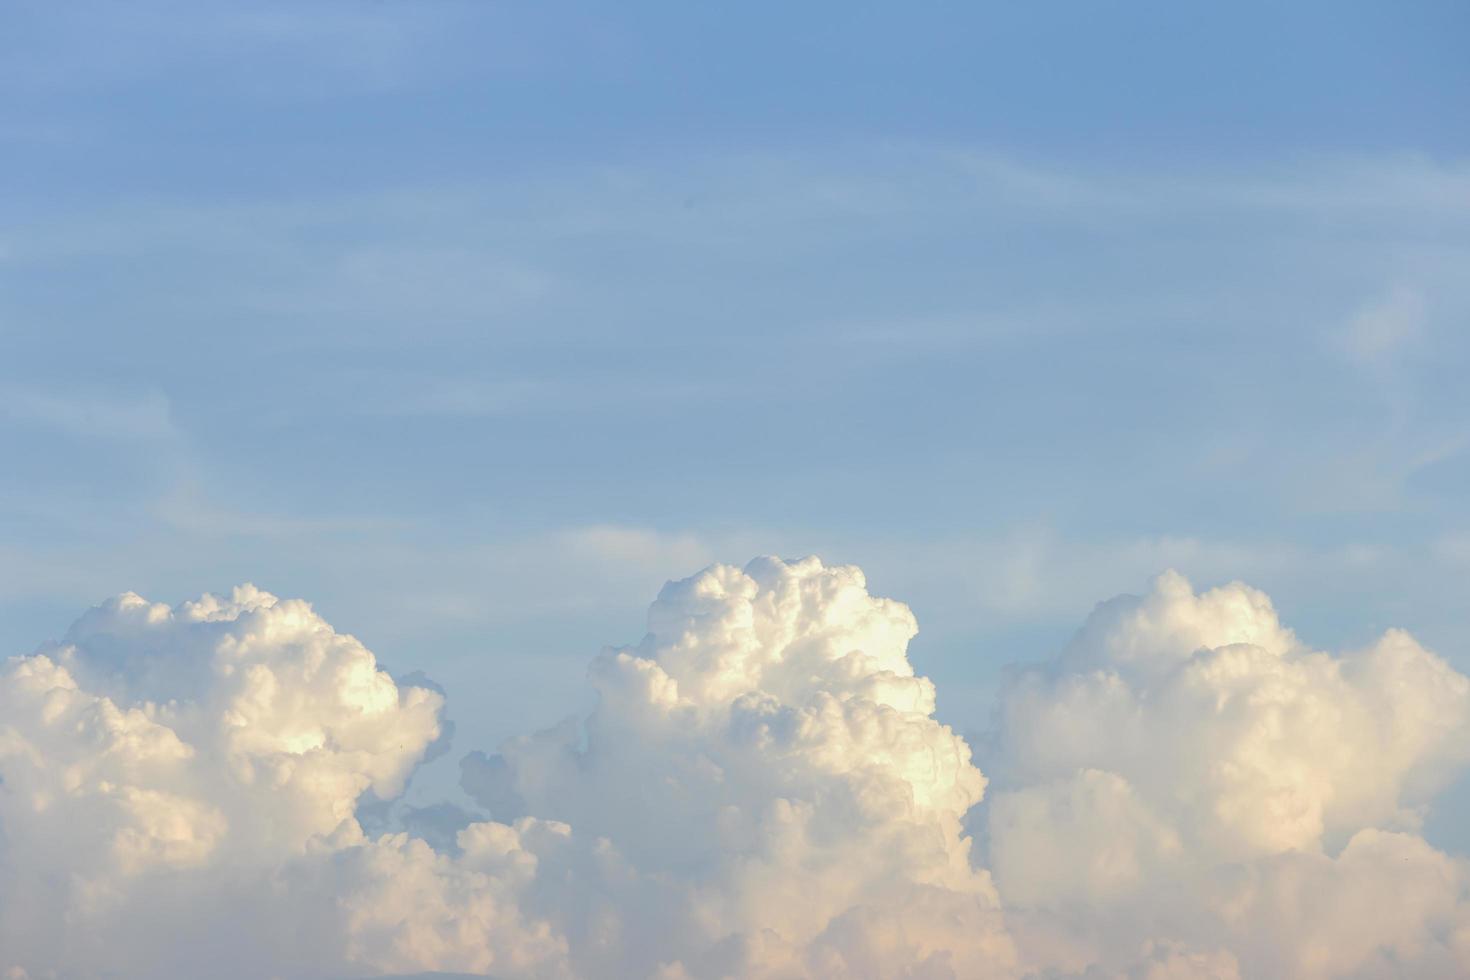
<point>767,765</point>
<point>156,747</point>
<point>1187,791</point>
<point>1187,765</point>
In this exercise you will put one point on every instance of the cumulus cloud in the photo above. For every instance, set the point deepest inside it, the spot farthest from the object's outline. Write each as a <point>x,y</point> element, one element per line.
<point>1187,791</point>
<point>769,768</point>
<point>1188,766</point>
<point>159,751</point>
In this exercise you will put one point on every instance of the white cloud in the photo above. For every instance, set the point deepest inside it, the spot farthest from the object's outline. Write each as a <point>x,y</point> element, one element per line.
<point>1188,763</point>
<point>1187,791</point>
<point>794,805</point>
<point>209,741</point>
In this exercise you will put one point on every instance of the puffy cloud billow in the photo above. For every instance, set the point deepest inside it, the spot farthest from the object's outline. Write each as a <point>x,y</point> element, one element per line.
<point>762,790</point>
<point>1189,768</point>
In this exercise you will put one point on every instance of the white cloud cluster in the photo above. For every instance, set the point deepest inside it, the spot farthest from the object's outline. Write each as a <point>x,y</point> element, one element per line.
<point>761,791</point>
<point>1188,768</point>
<point>768,774</point>
<point>158,757</point>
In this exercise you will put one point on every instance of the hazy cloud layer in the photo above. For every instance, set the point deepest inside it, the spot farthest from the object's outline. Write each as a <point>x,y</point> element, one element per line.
<point>1188,790</point>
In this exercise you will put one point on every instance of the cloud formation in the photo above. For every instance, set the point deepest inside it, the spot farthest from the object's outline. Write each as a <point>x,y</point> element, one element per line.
<point>768,768</point>
<point>1188,768</point>
<point>762,790</point>
<point>160,757</point>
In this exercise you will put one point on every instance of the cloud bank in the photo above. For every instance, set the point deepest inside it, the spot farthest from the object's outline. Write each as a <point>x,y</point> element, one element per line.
<point>762,790</point>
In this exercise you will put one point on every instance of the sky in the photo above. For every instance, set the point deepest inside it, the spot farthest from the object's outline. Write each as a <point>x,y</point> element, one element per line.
<point>474,323</point>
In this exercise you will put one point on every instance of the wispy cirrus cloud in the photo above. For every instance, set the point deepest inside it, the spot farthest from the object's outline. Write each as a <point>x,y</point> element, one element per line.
<point>145,416</point>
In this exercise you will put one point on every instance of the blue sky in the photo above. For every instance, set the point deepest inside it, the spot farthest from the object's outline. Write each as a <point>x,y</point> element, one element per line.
<point>475,322</point>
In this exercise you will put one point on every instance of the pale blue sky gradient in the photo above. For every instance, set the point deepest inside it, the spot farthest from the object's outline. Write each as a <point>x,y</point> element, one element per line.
<point>473,322</point>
